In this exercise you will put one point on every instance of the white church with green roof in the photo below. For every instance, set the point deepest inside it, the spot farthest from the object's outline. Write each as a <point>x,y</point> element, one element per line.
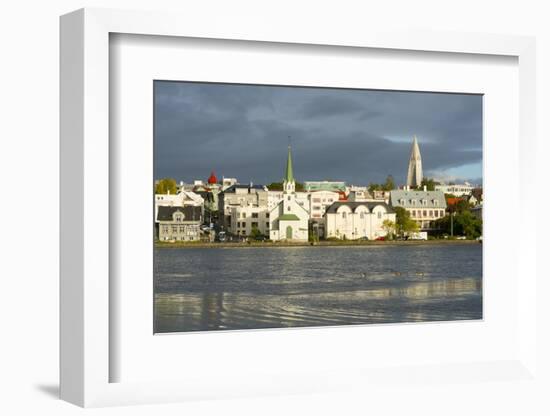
<point>288,219</point>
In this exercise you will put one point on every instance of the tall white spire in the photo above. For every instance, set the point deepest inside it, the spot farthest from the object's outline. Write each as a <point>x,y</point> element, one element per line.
<point>414,176</point>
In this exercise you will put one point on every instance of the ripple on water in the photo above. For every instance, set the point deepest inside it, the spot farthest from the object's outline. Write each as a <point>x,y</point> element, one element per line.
<point>294,287</point>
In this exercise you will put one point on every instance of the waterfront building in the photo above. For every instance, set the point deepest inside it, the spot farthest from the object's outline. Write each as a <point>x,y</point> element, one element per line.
<point>425,207</point>
<point>311,186</point>
<point>181,199</point>
<point>319,201</point>
<point>456,189</point>
<point>244,219</point>
<point>289,219</point>
<point>354,220</point>
<point>414,174</point>
<point>239,195</point>
<point>176,223</point>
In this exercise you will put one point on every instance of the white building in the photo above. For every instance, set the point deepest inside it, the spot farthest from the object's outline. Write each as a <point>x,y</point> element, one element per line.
<point>355,220</point>
<point>456,189</point>
<point>244,219</point>
<point>319,201</point>
<point>289,218</point>
<point>181,199</point>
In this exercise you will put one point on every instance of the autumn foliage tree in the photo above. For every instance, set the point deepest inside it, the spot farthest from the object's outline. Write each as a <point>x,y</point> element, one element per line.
<point>166,186</point>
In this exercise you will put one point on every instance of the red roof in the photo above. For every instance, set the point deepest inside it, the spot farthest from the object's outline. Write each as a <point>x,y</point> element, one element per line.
<point>212,178</point>
<point>453,201</point>
<point>342,196</point>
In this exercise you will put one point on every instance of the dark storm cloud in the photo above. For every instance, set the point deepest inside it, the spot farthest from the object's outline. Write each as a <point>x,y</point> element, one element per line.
<point>354,135</point>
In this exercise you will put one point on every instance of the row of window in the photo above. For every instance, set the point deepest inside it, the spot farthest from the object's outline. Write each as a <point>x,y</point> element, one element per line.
<point>427,213</point>
<point>424,202</point>
<point>362,215</point>
<point>191,230</point>
<point>253,225</point>
<point>254,215</point>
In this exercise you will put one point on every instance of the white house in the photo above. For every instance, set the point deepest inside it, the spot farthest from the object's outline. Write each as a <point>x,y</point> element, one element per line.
<point>289,219</point>
<point>181,199</point>
<point>459,189</point>
<point>353,220</point>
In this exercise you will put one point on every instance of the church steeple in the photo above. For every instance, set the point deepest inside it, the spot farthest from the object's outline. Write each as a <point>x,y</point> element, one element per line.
<point>414,175</point>
<point>289,184</point>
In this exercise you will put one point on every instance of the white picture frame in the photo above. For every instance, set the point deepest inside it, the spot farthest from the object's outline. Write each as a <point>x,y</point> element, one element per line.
<point>85,166</point>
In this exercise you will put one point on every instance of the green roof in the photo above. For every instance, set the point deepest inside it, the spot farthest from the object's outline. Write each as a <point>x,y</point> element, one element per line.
<point>289,176</point>
<point>289,217</point>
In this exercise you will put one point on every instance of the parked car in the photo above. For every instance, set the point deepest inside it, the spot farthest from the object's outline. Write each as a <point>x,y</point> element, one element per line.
<point>380,238</point>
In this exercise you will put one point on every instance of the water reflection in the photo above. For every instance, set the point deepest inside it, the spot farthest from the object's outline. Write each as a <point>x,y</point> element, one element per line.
<point>208,289</point>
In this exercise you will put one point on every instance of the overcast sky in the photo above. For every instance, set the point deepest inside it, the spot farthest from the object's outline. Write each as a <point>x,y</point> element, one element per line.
<point>357,136</point>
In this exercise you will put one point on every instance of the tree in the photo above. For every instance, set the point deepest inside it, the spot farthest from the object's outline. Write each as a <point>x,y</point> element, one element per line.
<point>403,222</point>
<point>166,186</point>
<point>429,183</point>
<point>255,233</point>
<point>278,186</point>
<point>389,227</point>
<point>464,223</point>
<point>389,184</point>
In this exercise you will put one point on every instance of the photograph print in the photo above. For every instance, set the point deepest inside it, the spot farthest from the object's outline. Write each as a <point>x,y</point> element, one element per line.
<point>290,206</point>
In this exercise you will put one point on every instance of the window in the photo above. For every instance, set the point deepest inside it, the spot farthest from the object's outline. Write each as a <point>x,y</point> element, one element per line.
<point>424,202</point>
<point>182,228</point>
<point>362,215</point>
<point>165,228</point>
<point>267,214</point>
<point>316,208</point>
<point>436,202</point>
<point>266,225</point>
<point>288,208</point>
<point>174,228</point>
<point>344,215</point>
<point>379,215</point>
<point>431,213</point>
<point>436,213</point>
<point>413,201</point>
<point>317,200</point>
<point>424,213</point>
<point>288,198</point>
<point>254,224</point>
<point>413,213</point>
<point>254,215</point>
<point>243,215</point>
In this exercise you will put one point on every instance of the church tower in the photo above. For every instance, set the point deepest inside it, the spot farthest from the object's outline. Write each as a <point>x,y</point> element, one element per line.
<point>289,185</point>
<point>414,176</point>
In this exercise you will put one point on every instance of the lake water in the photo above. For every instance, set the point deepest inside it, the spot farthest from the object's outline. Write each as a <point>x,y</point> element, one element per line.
<point>202,289</point>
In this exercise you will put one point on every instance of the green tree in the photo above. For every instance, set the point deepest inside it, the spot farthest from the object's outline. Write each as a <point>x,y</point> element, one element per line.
<point>165,186</point>
<point>278,186</point>
<point>429,183</point>
<point>255,233</point>
<point>389,227</point>
<point>463,223</point>
<point>389,184</point>
<point>403,222</point>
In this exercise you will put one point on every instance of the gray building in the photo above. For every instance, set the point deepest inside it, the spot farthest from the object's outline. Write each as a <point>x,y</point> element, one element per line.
<point>425,207</point>
<point>179,223</point>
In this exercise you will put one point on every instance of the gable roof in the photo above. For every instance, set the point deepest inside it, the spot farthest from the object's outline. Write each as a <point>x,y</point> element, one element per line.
<point>402,198</point>
<point>190,212</point>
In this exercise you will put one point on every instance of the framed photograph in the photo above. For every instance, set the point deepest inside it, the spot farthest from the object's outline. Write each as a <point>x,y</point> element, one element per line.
<point>294,213</point>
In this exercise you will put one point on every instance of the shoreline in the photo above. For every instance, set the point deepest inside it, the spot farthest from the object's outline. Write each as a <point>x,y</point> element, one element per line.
<point>351,243</point>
